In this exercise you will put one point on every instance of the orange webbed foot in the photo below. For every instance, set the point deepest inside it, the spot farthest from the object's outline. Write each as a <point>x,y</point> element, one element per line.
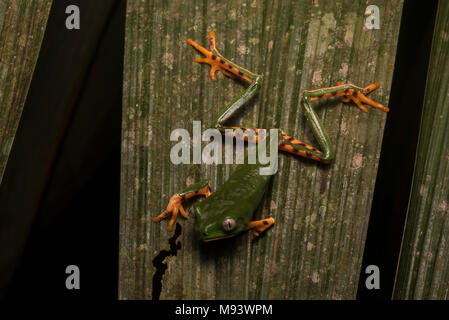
<point>174,206</point>
<point>360,97</point>
<point>259,226</point>
<point>216,63</point>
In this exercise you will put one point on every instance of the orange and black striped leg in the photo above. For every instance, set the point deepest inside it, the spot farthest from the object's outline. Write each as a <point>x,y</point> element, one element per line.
<point>355,94</point>
<point>219,63</point>
<point>247,134</point>
<point>232,70</point>
<point>359,97</point>
<point>299,148</point>
<point>259,226</point>
<point>175,204</point>
<point>210,59</point>
<point>204,190</point>
<point>286,143</point>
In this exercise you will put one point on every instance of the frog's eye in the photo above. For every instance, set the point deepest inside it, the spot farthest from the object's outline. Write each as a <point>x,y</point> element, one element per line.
<point>228,224</point>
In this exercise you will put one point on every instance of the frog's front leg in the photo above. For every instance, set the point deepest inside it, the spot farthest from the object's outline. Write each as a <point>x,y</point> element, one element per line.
<point>259,226</point>
<point>175,204</point>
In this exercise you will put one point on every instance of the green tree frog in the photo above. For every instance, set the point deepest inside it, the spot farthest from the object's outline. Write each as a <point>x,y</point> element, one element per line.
<point>228,211</point>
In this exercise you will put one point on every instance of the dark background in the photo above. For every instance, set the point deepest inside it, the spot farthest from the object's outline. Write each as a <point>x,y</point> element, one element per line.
<point>59,199</point>
<point>394,177</point>
<point>61,185</point>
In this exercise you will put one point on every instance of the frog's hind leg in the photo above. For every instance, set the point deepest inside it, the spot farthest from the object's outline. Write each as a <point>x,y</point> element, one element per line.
<point>286,143</point>
<point>347,92</point>
<point>299,148</point>
<point>220,63</point>
<point>350,92</point>
<point>230,69</point>
<point>175,204</point>
<point>259,226</point>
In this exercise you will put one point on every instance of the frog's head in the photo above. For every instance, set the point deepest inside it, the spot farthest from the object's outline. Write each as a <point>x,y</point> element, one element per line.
<point>218,227</point>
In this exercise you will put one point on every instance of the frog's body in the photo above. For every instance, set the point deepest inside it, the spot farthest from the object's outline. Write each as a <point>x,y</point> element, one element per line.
<point>238,199</point>
<point>228,211</point>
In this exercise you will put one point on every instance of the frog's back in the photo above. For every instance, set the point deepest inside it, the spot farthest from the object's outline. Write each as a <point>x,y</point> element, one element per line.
<point>238,197</point>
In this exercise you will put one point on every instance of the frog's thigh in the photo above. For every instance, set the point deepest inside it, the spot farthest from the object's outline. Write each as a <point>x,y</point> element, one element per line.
<point>259,226</point>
